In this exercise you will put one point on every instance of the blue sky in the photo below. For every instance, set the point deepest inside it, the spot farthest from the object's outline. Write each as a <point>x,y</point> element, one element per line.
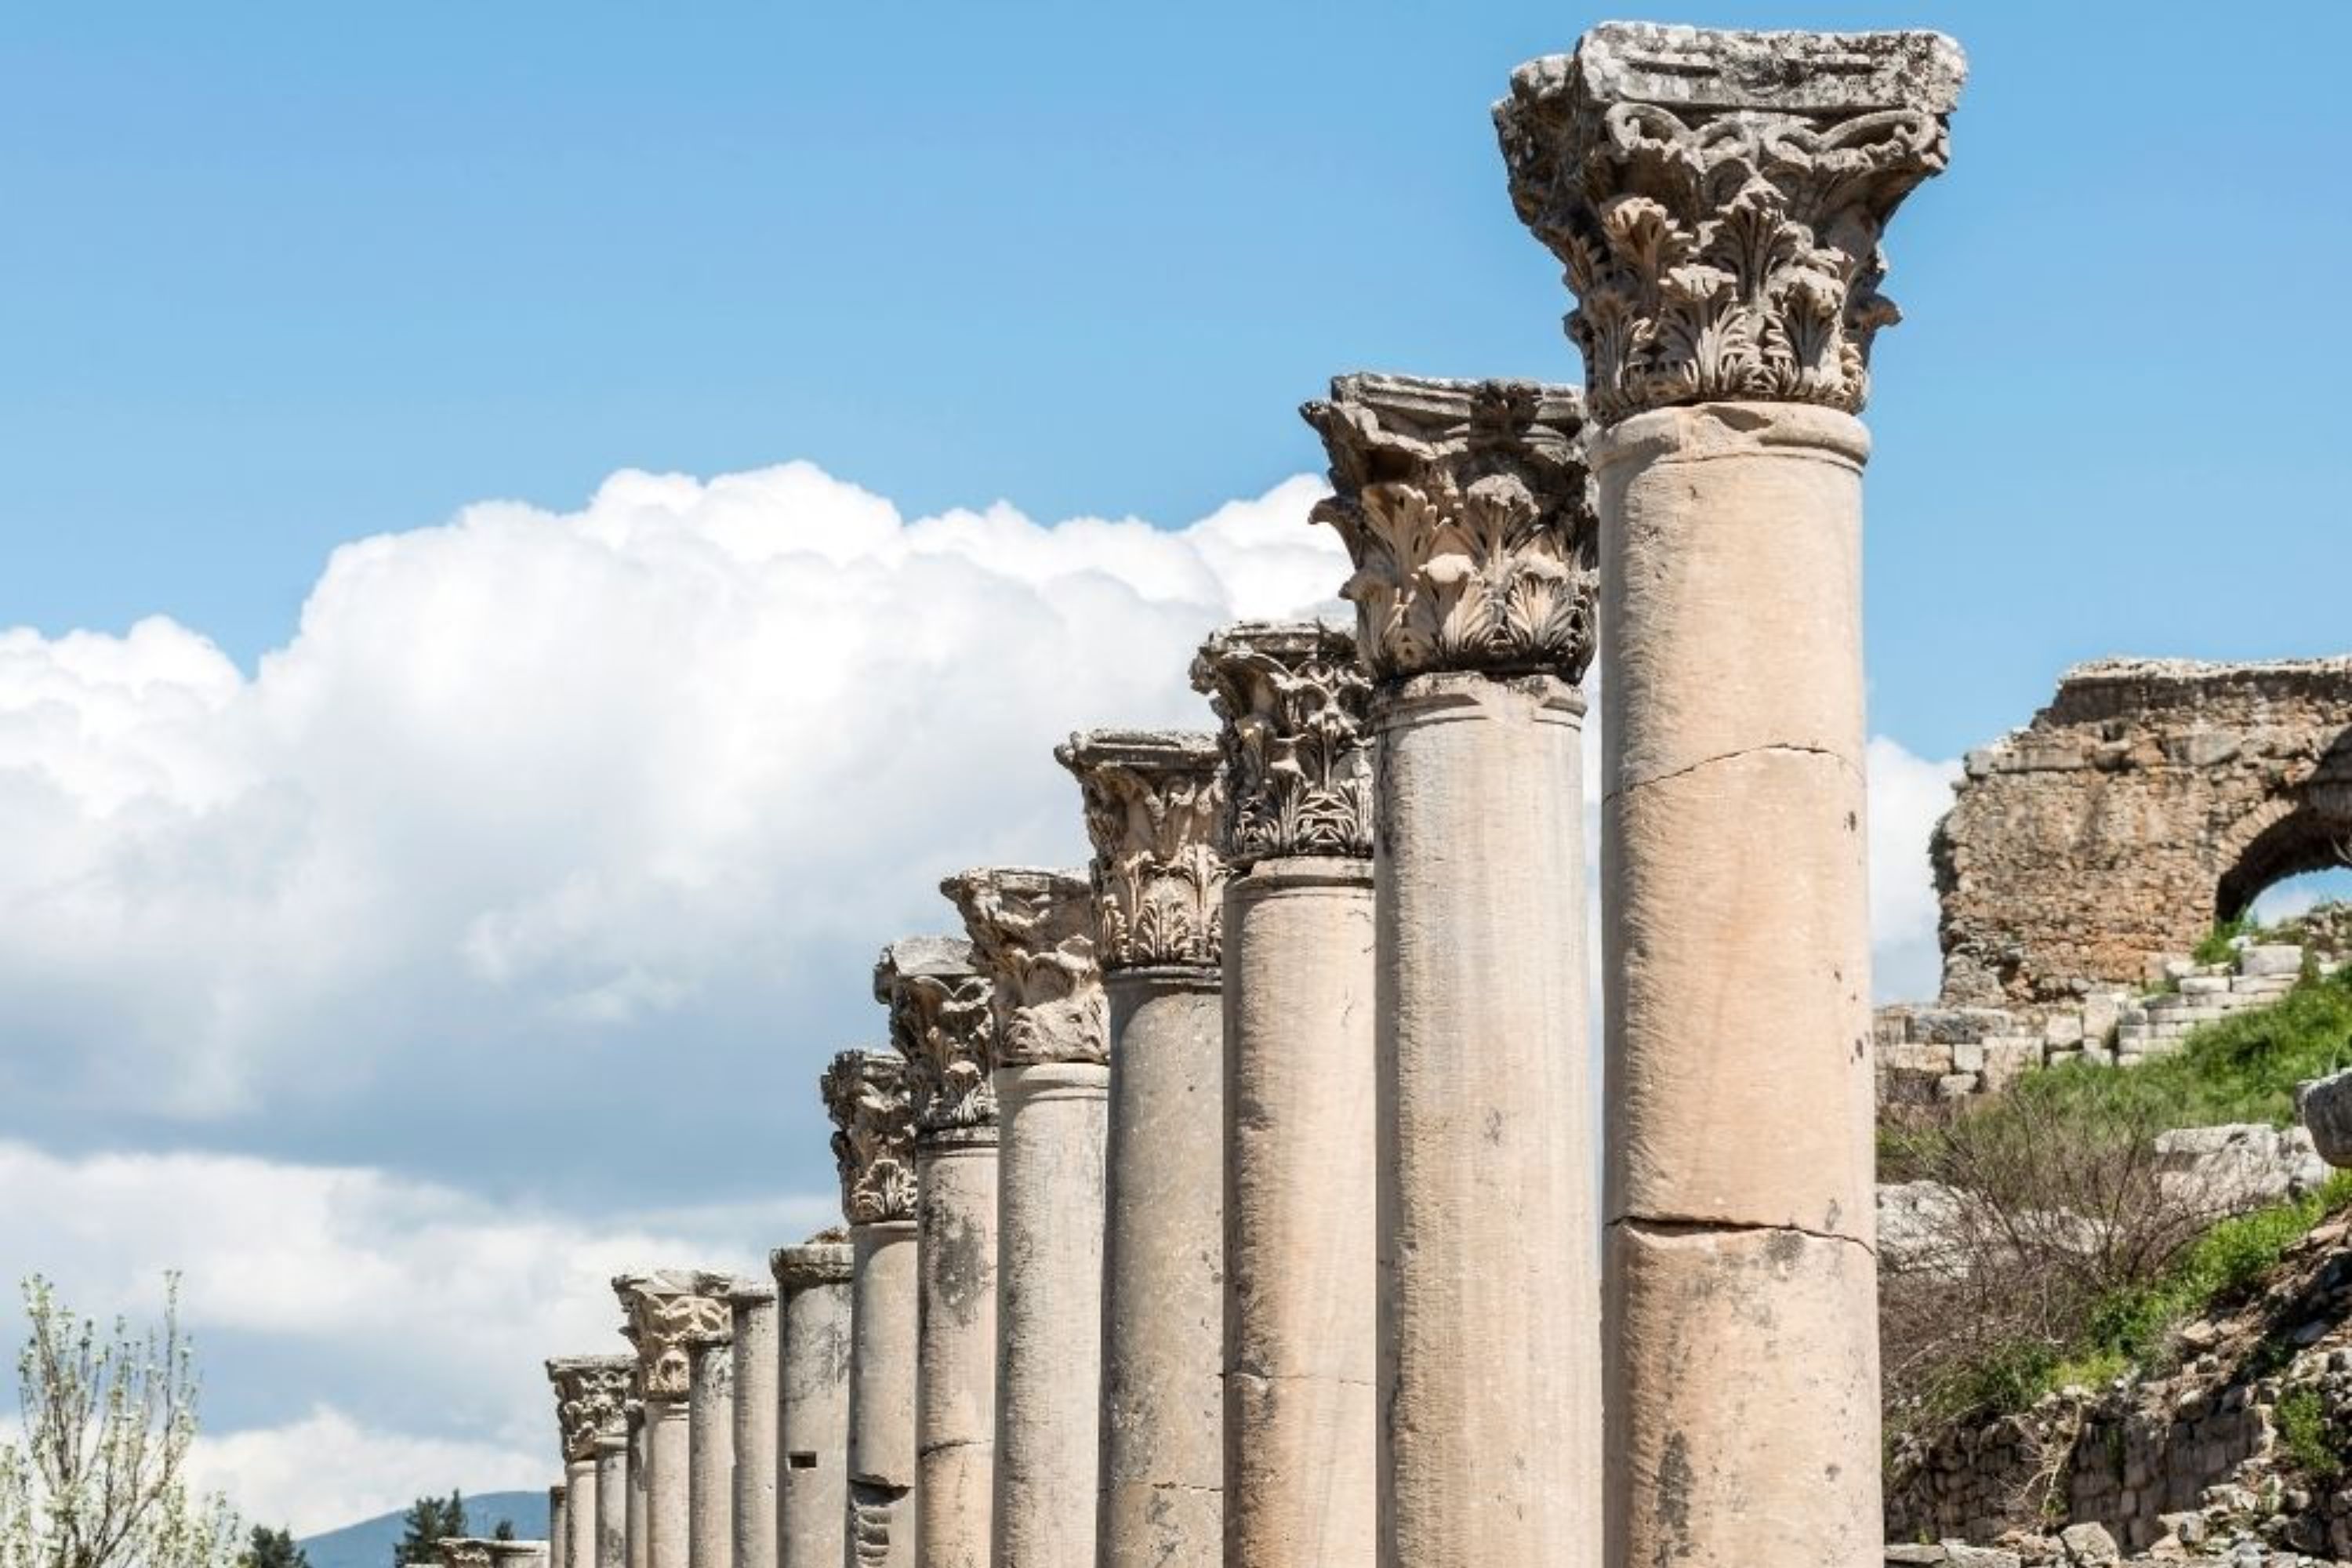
<point>402,933</point>
<point>279,275</point>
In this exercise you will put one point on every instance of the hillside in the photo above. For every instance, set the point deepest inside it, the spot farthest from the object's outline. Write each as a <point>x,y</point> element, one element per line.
<point>369,1543</point>
<point>2135,1306</point>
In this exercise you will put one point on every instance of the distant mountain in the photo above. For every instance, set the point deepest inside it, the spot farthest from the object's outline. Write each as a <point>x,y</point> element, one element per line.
<point>369,1543</point>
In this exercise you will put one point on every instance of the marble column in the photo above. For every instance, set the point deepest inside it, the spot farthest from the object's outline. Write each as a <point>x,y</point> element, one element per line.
<point>637,1552</point>
<point>1719,199</point>
<point>612,1512</point>
<point>667,1312</point>
<point>1465,506</point>
<point>812,1400</point>
<point>1032,938</point>
<point>1301,1487</point>
<point>869,1098</point>
<point>559,1538</point>
<point>753,1513</point>
<point>1153,799</point>
<point>939,1022</point>
<point>590,1391</point>
<point>710,1431</point>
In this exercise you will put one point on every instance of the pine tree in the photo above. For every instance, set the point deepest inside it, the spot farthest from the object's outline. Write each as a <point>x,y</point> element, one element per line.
<point>427,1521</point>
<point>273,1549</point>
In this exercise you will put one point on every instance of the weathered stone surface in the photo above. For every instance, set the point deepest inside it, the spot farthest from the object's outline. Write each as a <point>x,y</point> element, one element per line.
<point>1468,514</point>
<point>1153,802</point>
<point>812,1395</point>
<point>1717,200</point>
<point>589,1392</point>
<point>883,1362</point>
<point>1301,1446</point>
<point>1049,1312</point>
<point>1298,777</point>
<point>1033,936</point>
<point>1486,1192</point>
<point>1161,1483</point>
<point>2225,1169</point>
<point>666,1309</point>
<point>940,1022</point>
<point>955,1415</point>
<point>2098,839</point>
<point>2325,1107</point>
<point>2089,1545</point>
<point>870,1096</point>
<point>755,1348</point>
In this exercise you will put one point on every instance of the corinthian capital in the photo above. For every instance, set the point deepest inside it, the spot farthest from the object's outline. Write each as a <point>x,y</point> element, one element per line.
<point>1154,798</point>
<point>1297,778</point>
<point>1033,936</point>
<point>1717,199</point>
<point>1467,510</point>
<point>940,1021</point>
<point>867,1095</point>
<point>666,1310</point>
<point>590,1391</point>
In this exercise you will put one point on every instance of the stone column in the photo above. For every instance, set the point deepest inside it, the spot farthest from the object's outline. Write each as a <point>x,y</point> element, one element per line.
<point>754,1513</point>
<point>812,1400</point>
<point>1464,508</point>
<point>1301,1486</point>
<point>1719,199</point>
<point>868,1096</point>
<point>710,1431</point>
<point>940,1022</point>
<point>667,1313</point>
<point>590,1391</point>
<point>1031,933</point>
<point>612,1510</point>
<point>559,1538</point>
<point>634,1516</point>
<point>1153,803</point>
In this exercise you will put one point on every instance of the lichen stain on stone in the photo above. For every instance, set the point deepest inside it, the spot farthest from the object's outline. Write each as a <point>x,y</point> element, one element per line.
<point>963,1267</point>
<point>1673,1501</point>
<point>1785,1247</point>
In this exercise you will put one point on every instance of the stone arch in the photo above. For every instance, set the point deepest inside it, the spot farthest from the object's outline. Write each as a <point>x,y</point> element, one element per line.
<point>2147,798</point>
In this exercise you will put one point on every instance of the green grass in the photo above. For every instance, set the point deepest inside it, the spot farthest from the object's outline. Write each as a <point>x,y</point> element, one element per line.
<point>2242,1069</point>
<point>2214,947</point>
<point>2304,1432</point>
<point>2239,1069</point>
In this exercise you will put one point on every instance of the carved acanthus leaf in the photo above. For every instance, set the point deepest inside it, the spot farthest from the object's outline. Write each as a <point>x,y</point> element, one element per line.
<point>1153,800</point>
<point>1717,200</point>
<point>1468,512</point>
<point>1298,775</point>
<point>1033,936</point>
<point>666,1311</point>
<point>590,1391</point>
<point>940,1022</point>
<point>867,1095</point>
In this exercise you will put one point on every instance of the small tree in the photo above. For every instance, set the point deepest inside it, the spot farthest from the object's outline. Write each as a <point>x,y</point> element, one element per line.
<point>98,1477</point>
<point>268,1548</point>
<point>427,1521</point>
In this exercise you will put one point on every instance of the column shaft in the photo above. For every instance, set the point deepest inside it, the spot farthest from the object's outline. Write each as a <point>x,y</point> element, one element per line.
<point>710,1443</point>
<point>1736,875</point>
<point>1301,1476</point>
<point>882,1396</point>
<point>1164,1271</point>
<point>813,1413</point>
<point>668,1469</point>
<point>639,1533</point>
<point>559,1538</point>
<point>578,1535</point>
<point>956,1376</point>
<point>1489,1377</point>
<point>1049,1312</point>
<point>611,1514</point>
<point>753,1514</point>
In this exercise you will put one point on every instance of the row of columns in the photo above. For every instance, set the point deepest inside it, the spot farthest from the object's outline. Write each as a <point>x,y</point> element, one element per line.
<point>1233,1201</point>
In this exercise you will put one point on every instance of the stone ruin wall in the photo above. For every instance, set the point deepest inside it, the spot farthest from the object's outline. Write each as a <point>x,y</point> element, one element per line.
<point>2148,800</point>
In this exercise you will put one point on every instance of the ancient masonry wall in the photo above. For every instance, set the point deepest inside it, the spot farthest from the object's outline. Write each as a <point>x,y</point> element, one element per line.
<point>2148,799</point>
<point>1931,1054</point>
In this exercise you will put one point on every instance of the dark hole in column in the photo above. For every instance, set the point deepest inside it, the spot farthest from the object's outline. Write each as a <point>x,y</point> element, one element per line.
<point>800,1459</point>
